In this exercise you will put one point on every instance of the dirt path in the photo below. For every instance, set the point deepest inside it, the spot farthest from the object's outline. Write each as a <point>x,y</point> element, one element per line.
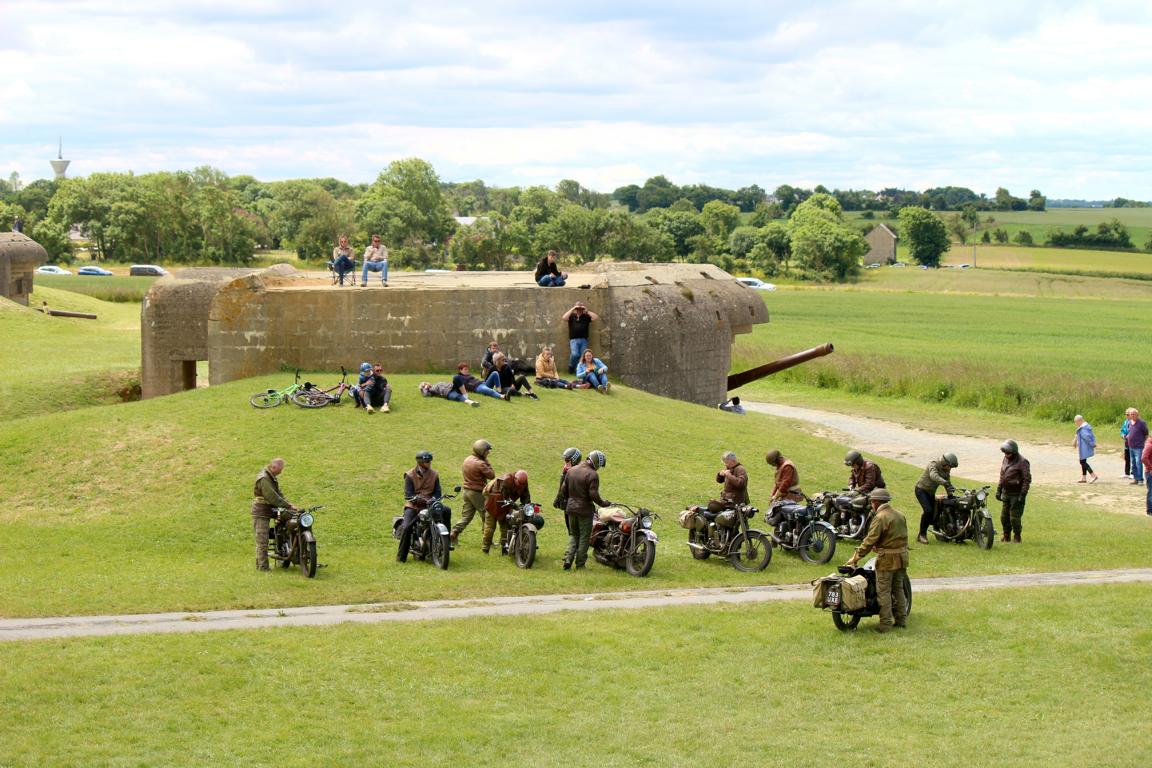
<point>1054,467</point>
<point>327,615</point>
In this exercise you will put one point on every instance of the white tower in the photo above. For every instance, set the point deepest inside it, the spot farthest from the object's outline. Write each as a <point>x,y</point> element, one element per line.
<point>60,165</point>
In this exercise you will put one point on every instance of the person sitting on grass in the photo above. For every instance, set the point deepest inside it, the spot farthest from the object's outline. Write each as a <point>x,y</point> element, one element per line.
<point>464,382</point>
<point>546,374</point>
<point>377,393</point>
<point>486,362</point>
<point>510,382</point>
<point>592,372</point>
<point>444,389</point>
<point>357,389</point>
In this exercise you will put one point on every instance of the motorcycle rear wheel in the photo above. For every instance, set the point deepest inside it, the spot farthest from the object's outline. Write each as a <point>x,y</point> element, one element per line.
<point>984,533</point>
<point>440,551</point>
<point>308,558</point>
<point>845,621</point>
<point>817,544</point>
<point>697,554</point>
<point>524,549</point>
<point>750,552</point>
<point>265,400</point>
<point>639,561</point>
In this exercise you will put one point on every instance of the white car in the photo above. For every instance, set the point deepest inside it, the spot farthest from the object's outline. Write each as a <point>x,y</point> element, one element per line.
<point>871,266</point>
<point>897,264</point>
<point>754,282</point>
<point>51,269</point>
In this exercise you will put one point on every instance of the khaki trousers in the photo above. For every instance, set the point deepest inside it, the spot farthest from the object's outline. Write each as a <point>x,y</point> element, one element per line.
<point>890,594</point>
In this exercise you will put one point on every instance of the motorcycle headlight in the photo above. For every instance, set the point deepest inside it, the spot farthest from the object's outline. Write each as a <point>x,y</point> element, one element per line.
<point>981,496</point>
<point>646,522</point>
<point>306,520</point>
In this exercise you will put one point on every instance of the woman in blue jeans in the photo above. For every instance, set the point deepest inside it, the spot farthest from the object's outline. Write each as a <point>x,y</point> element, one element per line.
<point>592,371</point>
<point>464,382</point>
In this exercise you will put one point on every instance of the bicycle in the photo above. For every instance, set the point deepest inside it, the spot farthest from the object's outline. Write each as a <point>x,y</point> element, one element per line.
<point>273,397</point>
<point>309,396</point>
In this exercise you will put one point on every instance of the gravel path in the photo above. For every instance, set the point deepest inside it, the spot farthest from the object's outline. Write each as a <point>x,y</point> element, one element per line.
<point>1055,468</point>
<point>326,615</point>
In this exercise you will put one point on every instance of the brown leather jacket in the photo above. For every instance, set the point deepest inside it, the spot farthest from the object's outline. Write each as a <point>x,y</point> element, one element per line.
<point>501,490</point>
<point>1015,475</point>
<point>476,472</point>
<point>583,490</point>
<point>866,477</point>
<point>735,485</point>
<point>787,482</point>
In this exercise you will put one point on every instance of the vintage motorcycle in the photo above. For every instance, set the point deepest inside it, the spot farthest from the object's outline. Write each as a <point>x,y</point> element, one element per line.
<point>847,511</point>
<point>964,516</point>
<point>798,527</point>
<point>523,523</point>
<point>726,534</point>
<point>625,540</point>
<point>290,538</point>
<point>430,535</point>
<point>834,595</point>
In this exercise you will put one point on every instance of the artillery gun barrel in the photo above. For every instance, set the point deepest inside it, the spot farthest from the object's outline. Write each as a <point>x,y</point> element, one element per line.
<point>784,363</point>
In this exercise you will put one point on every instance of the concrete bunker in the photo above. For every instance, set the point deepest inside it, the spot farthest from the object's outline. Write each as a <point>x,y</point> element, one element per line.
<point>664,328</point>
<point>19,257</point>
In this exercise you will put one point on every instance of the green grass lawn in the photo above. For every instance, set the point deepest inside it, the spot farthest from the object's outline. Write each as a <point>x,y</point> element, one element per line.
<point>107,288</point>
<point>1028,677</point>
<point>1047,348</point>
<point>144,506</point>
<point>1057,260</point>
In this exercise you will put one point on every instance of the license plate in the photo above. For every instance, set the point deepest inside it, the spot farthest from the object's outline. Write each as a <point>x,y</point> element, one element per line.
<point>832,597</point>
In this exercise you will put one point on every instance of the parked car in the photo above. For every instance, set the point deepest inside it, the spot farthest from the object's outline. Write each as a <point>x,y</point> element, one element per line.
<point>51,269</point>
<point>758,284</point>
<point>897,264</point>
<point>92,269</point>
<point>871,266</point>
<point>146,270</point>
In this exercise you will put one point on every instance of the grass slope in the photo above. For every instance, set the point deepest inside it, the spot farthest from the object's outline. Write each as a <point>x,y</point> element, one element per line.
<point>1033,677</point>
<point>144,506</point>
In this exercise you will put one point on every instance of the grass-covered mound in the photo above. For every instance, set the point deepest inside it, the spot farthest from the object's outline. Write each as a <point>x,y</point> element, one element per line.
<point>144,506</point>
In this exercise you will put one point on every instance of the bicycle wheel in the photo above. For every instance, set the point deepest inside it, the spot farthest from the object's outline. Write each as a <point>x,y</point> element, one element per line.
<point>310,398</point>
<point>265,399</point>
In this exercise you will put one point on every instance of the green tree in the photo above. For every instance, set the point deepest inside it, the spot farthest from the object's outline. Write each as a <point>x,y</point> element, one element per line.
<point>822,243</point>
<point>925,234</point>
<point>1023,237</point>
<point>628,238</point>
<point>719,220</point>
<point>407,207</point>
<point>573,230</point>
<point>1037,201</point>
<point>680,226</point>
<point>657,192</point>
<point>958,228</point>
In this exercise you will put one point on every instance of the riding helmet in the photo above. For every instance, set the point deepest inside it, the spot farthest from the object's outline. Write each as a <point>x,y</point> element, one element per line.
<point>852,457</point>
<point>481,448</point>
<point>598,459</point>
<point>951,460</point>
<point>1009,447</point>
<point>572,455</point>
<point>773,457</point>
<point>424,456</point>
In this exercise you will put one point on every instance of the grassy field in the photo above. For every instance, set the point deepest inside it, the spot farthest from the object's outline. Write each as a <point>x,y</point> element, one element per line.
<point>1069,261</point>
<point>1045,347</point>
<point>113,288</point>
<point>1030,677</point>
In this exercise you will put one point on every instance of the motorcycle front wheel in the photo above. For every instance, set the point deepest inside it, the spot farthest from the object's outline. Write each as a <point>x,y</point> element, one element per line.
<point>440,551</point>
<point>639,561</point>
<point>817,544</point>
<point>698,554</point>
<point>524,549</point>
<point>845,621</point>
<point>750,552</point>
<point>308,558</point>
<point>984,533</point>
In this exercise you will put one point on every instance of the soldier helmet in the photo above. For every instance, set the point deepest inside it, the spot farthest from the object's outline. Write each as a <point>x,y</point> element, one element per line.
<point>880,494</point>
<point>572,455</point>
<point>1009,447</point>
<point>951,460</point>
<point>598,459</point>
<point>481,448</point>
<point>852,457</point>
<point>424,456</point>
<point>773,457</point>
<point>521,478</point>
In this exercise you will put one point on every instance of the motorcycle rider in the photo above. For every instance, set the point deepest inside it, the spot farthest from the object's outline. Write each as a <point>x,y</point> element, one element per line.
<point>582,484</point>
<point>266,496</point>
<point>421,483</point>
<point>499,495</point>
<point>787,487</point>
<point>937,473</point>
<point>1015,480</point>
<point>476,471</point>
<point>571,459</point>
<point>864,476</point>
<point>735,480</point>
<point>888,538</point>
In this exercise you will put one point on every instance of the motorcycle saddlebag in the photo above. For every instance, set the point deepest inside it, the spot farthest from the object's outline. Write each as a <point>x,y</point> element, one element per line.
<point>826,592</point>
<point>686,518</point>
<point>853,593</point>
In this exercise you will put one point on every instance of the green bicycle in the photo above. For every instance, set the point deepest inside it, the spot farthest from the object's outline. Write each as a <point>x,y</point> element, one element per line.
<point>273,397</point>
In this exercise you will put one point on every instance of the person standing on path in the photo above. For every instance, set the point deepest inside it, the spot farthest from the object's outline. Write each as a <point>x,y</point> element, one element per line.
<point>937,473</point>
<point>579,320</point>
<point>1015,480</point>
<point>888,538</point>
<point>476,471</point>
<point>1086,448</point>
<point>266,497</point>
<point>1124,427</point>
<point>1134,443</point>
<point>582,484</point>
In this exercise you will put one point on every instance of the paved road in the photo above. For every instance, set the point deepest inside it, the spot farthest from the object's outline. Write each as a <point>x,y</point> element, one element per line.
<point>1054,467</point>
<point>326,615</point>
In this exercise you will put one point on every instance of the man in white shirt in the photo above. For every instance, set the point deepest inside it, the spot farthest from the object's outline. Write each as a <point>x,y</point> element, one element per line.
<point>375,260</point>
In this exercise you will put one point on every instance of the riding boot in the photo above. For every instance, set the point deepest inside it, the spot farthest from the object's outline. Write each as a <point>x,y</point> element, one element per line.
<point>1005,536</point>
<point>1016,538</point>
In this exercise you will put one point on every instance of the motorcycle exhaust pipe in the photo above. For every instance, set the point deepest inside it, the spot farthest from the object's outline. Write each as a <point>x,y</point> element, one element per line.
<point>697,547</point>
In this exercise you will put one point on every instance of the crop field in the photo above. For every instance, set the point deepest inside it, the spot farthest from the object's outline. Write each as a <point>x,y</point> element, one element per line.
<point>1047,348</point>
<point>1034,677</point>
<point>1060,260</point>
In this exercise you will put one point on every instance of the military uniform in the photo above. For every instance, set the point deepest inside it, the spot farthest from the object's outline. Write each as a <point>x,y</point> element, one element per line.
<point>476,472</point>
<point>1015,480</point>
<point>266,496</point>
<point>496,494</point>
<point>888,538</point>
<point>937,473</point>
<point>583,491</point>
<point>735,489</point>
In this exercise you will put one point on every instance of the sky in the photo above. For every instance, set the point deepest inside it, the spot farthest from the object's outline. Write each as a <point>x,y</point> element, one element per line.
<point>849,94</point>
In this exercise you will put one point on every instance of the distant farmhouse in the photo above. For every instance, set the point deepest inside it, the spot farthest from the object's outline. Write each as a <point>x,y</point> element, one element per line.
<point>881,245</point>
